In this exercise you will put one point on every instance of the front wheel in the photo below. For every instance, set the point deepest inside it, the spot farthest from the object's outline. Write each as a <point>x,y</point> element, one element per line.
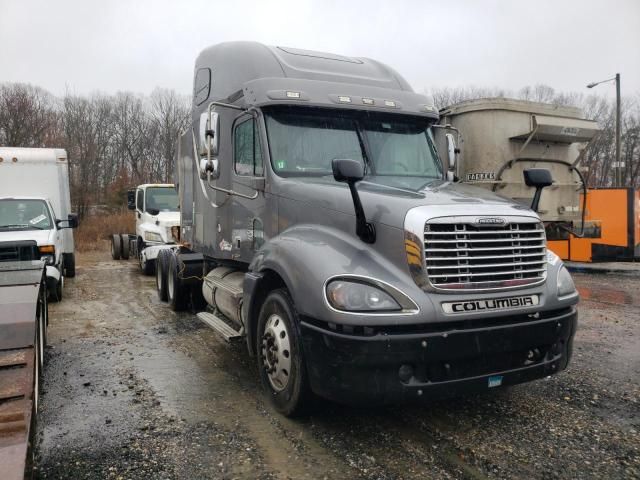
<point>56,294</point>
<point>69,264</point>
<point>280,355</point>
<point>161,275</point>
<point>176,291</point>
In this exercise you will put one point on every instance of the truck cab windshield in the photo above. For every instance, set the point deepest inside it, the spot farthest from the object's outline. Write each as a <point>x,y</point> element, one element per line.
<point>24,215</point>
<point>303,143</point>
<point>163,199</point>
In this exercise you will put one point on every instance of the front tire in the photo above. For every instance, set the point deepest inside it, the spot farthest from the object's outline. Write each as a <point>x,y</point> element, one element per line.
<point>69,264</point>
<point>177,294</point>
<point>280,356</point>
<point>161,275</point>
<point>56,295</point>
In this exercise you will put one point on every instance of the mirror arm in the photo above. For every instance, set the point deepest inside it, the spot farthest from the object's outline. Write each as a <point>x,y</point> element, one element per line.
<point>448,126</point>
<point>365,230</point>
<point>229,192</point>
<point>226,105</point>
<point>536,199</point>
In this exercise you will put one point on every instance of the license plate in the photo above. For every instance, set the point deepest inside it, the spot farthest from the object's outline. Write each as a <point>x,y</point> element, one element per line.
<point>495,381</point>
<point>491,304</point>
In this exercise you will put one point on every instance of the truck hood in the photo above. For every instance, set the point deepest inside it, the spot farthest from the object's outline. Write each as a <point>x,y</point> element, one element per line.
<point>42,237</point>
<point>386,203</point>
<point>168,219</point>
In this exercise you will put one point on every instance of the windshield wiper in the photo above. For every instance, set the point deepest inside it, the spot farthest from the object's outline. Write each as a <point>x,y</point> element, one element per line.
<point>21,225</point>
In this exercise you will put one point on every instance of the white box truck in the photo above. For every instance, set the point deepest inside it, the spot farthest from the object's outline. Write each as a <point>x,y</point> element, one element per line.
<point>35,205</point>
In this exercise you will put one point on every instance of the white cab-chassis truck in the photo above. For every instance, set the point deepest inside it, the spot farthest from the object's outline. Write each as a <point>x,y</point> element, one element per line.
<point>157,220</point>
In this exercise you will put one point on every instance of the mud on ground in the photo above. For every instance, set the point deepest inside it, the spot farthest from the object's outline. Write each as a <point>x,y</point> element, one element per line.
<point>133,390</point>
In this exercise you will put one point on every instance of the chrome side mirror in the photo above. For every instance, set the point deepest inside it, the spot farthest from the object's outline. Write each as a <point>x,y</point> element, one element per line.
<point>445,138</point>
<point>452,151</point>
<point>208,145</point>
<point>209,137</point>
<point>209,169</point>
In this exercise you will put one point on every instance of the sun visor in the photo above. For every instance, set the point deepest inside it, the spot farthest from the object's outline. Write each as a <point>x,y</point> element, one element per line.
<point>560,129</point>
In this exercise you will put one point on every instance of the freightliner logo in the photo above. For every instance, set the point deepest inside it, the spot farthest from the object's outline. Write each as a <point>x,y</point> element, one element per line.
<point>491,221</point>
<point>477,306</point>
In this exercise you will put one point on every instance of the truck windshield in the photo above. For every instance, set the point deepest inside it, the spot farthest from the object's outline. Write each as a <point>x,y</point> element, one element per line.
<point>164,199</point>
<point>304,143</point>
<point>24,215</point>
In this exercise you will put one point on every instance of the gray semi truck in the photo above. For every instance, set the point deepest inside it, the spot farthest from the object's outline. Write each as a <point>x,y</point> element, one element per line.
<point>321,226</point>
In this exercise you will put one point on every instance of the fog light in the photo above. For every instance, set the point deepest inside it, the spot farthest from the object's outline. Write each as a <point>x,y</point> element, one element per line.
<point>405,373</point>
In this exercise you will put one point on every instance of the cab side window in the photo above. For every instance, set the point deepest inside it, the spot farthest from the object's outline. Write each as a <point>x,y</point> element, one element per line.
<point>140,200</point>
<point>246,148</point>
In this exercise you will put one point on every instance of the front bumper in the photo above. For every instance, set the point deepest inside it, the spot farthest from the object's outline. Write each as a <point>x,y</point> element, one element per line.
<point>430,361</point>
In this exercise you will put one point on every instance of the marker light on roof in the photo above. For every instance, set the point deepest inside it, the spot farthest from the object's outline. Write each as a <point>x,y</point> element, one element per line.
<point>389,103</point>
<point>293,94</point>
<point>368,101</point>
<point>344,99</point>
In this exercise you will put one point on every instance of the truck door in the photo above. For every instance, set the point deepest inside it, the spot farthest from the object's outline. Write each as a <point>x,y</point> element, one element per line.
<point>139,209</point>
<point>248,178</point>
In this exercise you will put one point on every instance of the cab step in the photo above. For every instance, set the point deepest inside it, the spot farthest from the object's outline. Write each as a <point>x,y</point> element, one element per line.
<point>220,326</point>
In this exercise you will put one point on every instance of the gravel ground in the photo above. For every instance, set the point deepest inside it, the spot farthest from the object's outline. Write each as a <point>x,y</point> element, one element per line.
<point>133,390</point>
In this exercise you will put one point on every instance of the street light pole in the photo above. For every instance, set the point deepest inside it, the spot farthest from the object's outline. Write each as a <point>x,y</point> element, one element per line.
<point>618,163</point>
<point>619,171</point>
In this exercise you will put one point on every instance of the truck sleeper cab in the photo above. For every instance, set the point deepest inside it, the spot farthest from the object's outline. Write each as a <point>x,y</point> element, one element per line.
<point>316,209</point>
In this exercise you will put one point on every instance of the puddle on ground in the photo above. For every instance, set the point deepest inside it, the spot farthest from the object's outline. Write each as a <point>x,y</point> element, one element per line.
<point>606,295</point>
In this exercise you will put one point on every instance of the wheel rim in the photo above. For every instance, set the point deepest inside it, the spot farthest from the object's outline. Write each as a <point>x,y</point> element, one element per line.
<point>276,353</point>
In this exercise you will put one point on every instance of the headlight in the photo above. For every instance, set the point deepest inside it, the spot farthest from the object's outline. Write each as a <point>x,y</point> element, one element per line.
<point>48,259</point>
<point>565,282</point>
<point>359,297</point>
<point>48,254</point>
<point>152,237</point>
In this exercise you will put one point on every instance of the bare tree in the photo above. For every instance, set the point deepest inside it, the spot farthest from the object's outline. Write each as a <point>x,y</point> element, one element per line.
<point>88,131</point>
<point>133,135</point>
<point>170,114</point>
<point>27,116</point>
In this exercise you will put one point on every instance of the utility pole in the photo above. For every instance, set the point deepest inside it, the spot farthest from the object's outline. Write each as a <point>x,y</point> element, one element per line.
<point>618,163</point>
<point>618,128</point>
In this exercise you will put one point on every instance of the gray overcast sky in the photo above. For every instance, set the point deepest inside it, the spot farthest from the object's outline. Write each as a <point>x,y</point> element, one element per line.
<point>124,45</point>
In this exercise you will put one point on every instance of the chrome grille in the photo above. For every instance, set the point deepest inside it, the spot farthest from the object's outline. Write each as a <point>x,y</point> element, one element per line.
<point>475,257</point>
